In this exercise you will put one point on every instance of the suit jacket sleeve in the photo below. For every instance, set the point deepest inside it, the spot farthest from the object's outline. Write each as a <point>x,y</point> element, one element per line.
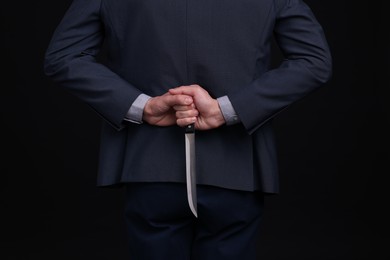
<point>71,61</point>
<point>306,66</point>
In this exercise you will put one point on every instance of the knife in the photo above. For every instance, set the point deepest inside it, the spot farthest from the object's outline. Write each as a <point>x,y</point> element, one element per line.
<point>190,168</point>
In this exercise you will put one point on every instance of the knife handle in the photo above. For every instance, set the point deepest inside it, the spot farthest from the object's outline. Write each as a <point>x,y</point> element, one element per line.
<point>190,128</point>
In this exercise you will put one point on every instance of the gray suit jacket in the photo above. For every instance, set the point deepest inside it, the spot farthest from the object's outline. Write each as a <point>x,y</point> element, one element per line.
<point>222,45</point>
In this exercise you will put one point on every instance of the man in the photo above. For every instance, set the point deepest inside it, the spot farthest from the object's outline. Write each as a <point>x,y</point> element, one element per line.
<point>171,63</point>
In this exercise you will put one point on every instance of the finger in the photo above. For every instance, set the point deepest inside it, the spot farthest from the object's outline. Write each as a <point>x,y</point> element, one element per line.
<point>185,121</point>
<point>178,100</point>
<point>186,114</point>
<point>185,90</point>
<point>184,108</point>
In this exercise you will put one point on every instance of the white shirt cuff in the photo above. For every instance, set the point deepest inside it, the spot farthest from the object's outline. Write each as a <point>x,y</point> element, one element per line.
<point>136,110</point>
<point>228,111</point>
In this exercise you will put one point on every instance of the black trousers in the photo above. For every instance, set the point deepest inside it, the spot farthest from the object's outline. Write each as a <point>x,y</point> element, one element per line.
<point>160,224</point>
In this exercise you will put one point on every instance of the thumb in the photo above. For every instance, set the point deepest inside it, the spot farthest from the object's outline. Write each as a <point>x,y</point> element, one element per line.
<point>178,99</point>
<point>175,91</point>
<point>185,90</point>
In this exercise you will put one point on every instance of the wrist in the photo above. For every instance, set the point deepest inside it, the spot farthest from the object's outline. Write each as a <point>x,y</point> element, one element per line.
<point>216,115</point>
<point>147,112</point>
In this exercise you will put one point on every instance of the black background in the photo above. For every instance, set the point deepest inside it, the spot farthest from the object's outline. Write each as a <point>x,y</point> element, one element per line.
<point>333,148</point>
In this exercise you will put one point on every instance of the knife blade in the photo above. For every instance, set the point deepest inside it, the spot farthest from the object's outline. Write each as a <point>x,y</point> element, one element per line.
<point>190,168</point>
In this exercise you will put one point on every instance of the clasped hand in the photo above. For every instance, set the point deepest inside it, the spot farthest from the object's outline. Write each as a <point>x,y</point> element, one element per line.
<point>184,105</point>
